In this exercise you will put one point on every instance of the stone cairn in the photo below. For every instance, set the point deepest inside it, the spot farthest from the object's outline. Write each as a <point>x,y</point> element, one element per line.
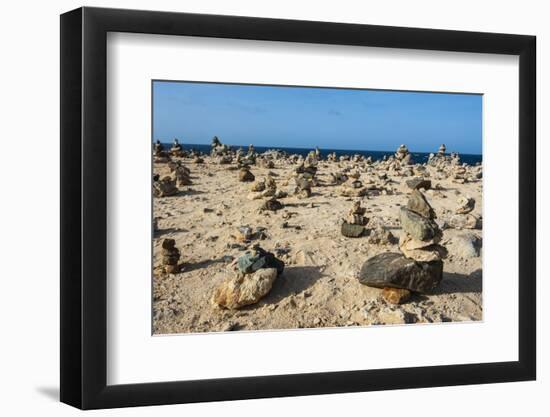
<point>170,256</point>
<point>403,155</point>
<point>353,225</point>
<point>160,155</point>
<point>463,218</point>
<point>272,203</point>
<point>164,187</point>
<point>419,268</point>
<point>158,149</point>
<point>353,187</point>
<point>256,272</point>
<point>221,152</point>
<point>421,237</point>
<point>176,149</point>
<point>303,185</point>
<point>181,173</point>
<point>245,175</point>
<point>443,162</point>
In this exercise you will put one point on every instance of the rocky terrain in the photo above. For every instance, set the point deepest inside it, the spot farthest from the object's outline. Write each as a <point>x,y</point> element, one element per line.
<point>247,241</point>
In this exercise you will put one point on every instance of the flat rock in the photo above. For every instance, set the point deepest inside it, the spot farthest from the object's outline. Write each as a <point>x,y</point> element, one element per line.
<point>396,271</point>
<point>352,230</point>
<point>427,254</point>
<point>242,290</point>
<point>418,183</point>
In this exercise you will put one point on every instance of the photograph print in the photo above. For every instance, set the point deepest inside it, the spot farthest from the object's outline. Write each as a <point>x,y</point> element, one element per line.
<point>297,207</point>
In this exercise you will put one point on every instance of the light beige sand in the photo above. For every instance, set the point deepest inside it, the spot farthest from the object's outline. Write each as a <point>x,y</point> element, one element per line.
<point>319,287</point>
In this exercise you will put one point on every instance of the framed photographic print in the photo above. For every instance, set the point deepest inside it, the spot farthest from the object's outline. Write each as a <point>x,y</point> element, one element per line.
<point>258,207</point>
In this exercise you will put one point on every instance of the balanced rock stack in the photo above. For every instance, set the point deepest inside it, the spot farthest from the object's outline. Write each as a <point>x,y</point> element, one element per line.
<point>271,204</point>
<point>420,267</point>
<point>245,175</point>
<point>353,187</point>
<point>158,149</point>
<point>353,226</point>
<point>304,183</point>
<point>254,278</point>
<point>176,149</point>
<point>403,155</point>
<point>181,173</point>
<point>170,256</point>
<point>463,217</point>
<point>421,237</point>
<point>164,187</point>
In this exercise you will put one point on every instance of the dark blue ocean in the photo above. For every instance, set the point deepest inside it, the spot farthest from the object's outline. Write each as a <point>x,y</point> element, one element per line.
<point>418,157</point>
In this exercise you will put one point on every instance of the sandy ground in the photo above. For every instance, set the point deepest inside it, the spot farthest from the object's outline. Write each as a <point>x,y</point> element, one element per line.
<point>319,287</point>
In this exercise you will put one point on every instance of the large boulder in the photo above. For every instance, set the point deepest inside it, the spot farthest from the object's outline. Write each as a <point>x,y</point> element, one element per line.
<point>244,289</point>
<point>397,271</point>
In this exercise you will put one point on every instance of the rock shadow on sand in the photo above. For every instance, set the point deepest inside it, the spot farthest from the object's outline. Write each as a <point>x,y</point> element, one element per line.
<point>294,280</point>
<point>453,283</point>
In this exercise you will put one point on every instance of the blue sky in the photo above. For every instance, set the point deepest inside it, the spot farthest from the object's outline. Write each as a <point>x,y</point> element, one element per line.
<point>305,117</point>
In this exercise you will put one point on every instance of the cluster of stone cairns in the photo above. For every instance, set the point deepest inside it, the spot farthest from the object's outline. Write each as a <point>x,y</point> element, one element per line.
<point>331,157</point>
<point>267,189</point>
<point>353,187</point>
<point>220,151</point>
<point>252,280</point>
<point>419,268</point>
<point>354,226</point>
<point>170,256</point>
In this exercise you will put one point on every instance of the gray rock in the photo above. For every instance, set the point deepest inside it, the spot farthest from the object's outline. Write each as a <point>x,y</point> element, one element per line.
<point>258,259</point>
<point>418,227</point>
<point>418,203</point>
<point>271,205</point>
<point>464,221</point>
<point>467,245</point>
<point>394,270</point>
<point>352,230</point>
<point>417,183</point>
<point>381,236</point>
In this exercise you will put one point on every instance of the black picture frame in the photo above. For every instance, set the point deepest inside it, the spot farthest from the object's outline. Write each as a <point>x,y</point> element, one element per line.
<point>84,207</point>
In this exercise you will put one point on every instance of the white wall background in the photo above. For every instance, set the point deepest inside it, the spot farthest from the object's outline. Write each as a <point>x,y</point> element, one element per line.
<point>29,209</point>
